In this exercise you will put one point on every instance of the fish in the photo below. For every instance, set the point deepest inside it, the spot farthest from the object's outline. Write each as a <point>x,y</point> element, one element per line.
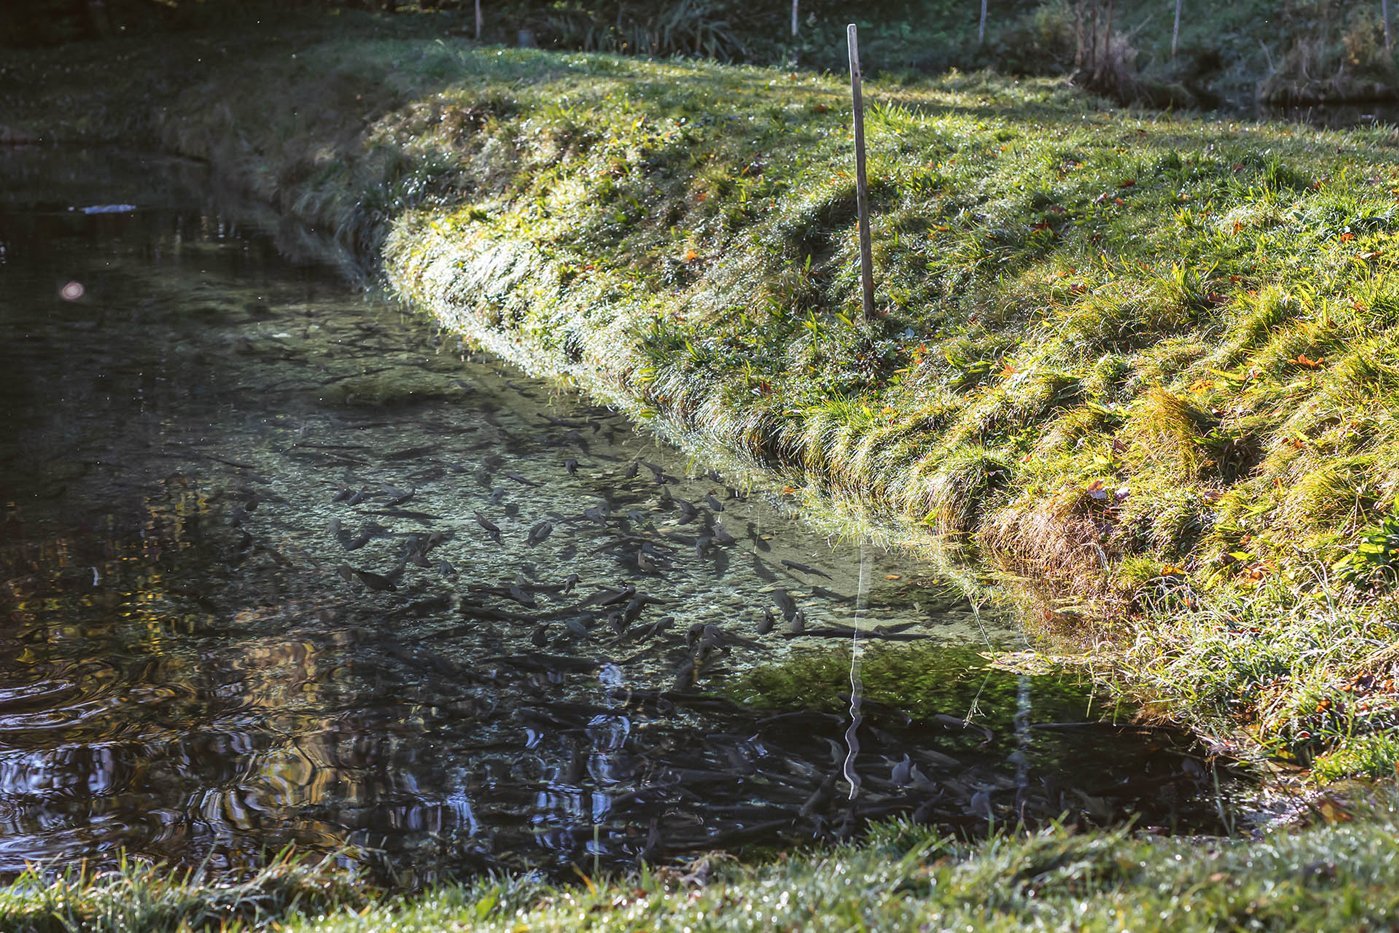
<point>902,772</point>
<point>688,512</point>
<point>539,532</point>
<point>540,636</point>
<point>379,582</point>
<point>785,603</point>
<point>721,534</point>
<point>407,513</point>
<point>660,625</point>
<point>769,620</point>
<point>397,496</point>
<point>804,568</point>
<point>546,663</point>
<point>684,675</point>
<point>714,504</point>
<point>416,547</point>
<point>519,478</point>
<point>570,465</point>
<point>955,722</point>
<point>491,528</point>
<point>410,453</point>
<point>518,594</point>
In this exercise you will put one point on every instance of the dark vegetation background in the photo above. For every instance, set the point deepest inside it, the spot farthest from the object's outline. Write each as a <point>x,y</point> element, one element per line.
<point>1273,51</point>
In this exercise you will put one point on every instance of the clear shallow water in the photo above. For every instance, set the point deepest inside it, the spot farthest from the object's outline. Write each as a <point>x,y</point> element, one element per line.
<point>247,600</point>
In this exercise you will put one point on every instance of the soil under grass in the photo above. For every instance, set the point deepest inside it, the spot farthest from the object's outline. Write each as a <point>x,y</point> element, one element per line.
<point>1142,364</point>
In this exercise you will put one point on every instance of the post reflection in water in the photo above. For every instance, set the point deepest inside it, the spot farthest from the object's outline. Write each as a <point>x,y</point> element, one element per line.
<point>281,565</point>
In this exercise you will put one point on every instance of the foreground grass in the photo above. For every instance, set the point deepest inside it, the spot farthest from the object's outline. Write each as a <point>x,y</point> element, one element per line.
<point>1331,877</point>
<point>1145,364</point>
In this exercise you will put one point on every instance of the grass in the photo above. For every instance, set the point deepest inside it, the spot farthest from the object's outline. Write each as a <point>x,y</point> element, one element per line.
<point>1142,362</point>
<point>1333,876</point>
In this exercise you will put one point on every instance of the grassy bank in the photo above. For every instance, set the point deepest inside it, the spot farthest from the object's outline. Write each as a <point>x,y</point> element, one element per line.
<point>1143,363</point>
<point>1334,877</point>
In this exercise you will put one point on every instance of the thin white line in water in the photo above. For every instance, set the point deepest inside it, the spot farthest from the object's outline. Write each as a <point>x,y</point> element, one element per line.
<point>852,741</point>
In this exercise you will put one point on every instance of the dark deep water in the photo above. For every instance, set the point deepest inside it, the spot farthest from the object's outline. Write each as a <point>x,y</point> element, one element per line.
<point>247,601</point>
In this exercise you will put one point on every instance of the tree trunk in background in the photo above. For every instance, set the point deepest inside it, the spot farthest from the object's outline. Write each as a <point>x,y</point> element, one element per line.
<point>1092,63</point>
<point>478,20</point>
<point>1175,29</point>
<point>1384,15</point>
<point>981,27</point>
<point>795,17</point>
<point>1078,37</point>
<point>1106,61</point>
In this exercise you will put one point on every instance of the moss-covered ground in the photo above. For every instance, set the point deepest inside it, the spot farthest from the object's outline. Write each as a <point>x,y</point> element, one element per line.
<point>1143,364</point>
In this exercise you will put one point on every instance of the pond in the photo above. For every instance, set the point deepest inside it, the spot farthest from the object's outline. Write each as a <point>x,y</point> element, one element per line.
<point>284,564</point>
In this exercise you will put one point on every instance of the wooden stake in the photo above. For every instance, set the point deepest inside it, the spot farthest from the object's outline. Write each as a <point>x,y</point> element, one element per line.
<point>479,21</point>
<point>862,203</point>
<point>796,14</point>
<point>1175,30</point>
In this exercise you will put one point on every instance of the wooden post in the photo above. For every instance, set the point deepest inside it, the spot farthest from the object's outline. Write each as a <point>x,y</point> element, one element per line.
<point>981,26</point>
<point>862,202</point>
<point>479,20</point>
<point>1175,29</point>
<point>796,14</point>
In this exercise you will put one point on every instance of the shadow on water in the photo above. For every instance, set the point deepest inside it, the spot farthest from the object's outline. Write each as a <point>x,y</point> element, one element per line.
<point>283,565</point>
